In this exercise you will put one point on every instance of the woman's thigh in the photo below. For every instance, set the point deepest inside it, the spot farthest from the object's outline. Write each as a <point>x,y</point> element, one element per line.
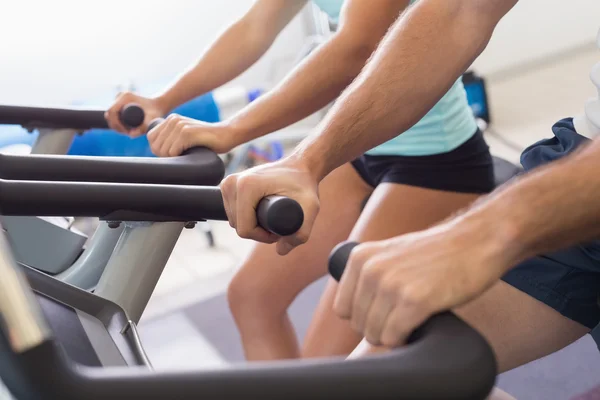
<point>392,210</point>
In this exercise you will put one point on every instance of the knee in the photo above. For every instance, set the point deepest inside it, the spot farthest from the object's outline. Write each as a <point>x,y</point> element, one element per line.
<point>253,295</point>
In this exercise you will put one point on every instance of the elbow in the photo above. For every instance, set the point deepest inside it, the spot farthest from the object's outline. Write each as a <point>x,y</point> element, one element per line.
<point>485,14</point>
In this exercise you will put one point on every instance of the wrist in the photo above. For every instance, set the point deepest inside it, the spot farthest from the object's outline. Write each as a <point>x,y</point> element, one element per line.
<point>164,103</point>
<point>496,240</point>
<point>311,158</point>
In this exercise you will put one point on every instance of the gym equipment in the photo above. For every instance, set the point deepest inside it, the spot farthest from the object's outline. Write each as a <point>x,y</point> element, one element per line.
<point>58,341</point>
<point>57,127</point>
<point>72,263</point>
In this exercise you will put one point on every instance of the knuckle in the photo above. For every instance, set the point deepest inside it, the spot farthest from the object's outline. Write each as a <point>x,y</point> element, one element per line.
<point>228,183</point>
<point>414,296</point>
<point>372,274</point>
<point>360,254</point>
<point>244,232</point>
<point>244,182</point>
<point>388,288</point>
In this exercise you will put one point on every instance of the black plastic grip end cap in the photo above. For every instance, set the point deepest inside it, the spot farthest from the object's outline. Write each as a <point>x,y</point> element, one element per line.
<point>339,258</point>
<point>154,123</point>
<point>280,215</point>
<point>132,115</point>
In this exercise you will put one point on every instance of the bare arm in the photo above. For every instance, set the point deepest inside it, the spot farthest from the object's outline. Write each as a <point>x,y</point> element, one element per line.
<point>325,73</point>
<point>414,276</point>
<point>550,209</point>
<point>236,50</point>
<point>418,61</point>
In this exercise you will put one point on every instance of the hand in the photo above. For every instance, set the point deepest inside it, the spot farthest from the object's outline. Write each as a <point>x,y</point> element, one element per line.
<point>177,134</point>
<point>152,108</point>
<point>242,193</point>
<point>391,287</point>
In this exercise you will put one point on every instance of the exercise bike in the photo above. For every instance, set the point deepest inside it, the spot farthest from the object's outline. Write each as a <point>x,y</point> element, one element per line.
<point>58,341</point>
<point>35,241</point>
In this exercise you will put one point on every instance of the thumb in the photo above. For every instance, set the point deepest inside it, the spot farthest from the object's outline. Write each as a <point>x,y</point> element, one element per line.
<point>284,246</point>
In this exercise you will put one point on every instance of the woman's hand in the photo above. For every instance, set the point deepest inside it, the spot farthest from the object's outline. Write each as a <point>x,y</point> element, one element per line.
<point>176,134</point>
<point>152,107</point>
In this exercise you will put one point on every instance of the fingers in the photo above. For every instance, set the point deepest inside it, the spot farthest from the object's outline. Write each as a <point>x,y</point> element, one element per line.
<point>384,299</point>
<point>112,114</point>
<point>367,288</point>
<point>165,139</point>
<point>246,222</point>
<point>400,324</point>
<point>344,300</point>
<point>229,193</point>
<point>139,131</point>
<point>374,320</point>
<point>310,207</point>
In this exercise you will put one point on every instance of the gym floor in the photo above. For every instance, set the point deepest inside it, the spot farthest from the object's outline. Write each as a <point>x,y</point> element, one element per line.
<point>187,322</point>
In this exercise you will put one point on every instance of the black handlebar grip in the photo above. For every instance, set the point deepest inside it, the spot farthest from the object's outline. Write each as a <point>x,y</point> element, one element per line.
<point>339,258</point>
<point>280,215</point>
<point>154,123</point>
<point>132,115</point>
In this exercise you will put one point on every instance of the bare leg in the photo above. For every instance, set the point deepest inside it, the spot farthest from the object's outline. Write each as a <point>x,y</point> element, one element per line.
<point>266,284</point>
<point>392,210</point>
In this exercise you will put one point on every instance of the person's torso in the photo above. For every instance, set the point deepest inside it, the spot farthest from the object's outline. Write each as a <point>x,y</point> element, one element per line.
<point>446,126</point>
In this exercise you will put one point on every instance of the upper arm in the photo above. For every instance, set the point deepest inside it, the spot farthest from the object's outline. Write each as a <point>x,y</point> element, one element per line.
<point>366,22</point>
<point>487,12</point>
<point>267,18</point>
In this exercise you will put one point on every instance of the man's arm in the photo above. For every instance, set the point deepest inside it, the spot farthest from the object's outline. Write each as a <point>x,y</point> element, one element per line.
<point>392,286</point>
<point>425,52</point>
<point>552,208</point>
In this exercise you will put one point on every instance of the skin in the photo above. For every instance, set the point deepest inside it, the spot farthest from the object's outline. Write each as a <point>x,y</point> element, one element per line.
<point>313,84</point>
<point>390,287</point>
<point>393,285</point>
<point>432,33</point>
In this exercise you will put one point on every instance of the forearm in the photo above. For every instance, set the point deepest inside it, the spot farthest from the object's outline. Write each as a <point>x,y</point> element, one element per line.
<point>551,208</point>
<point>424,53</point>
<point>311,86</point>
<point>237,49</point>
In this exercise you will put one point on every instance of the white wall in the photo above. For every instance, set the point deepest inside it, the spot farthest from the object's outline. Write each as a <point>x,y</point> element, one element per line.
<point>64,51</point>
<point>536,29</point>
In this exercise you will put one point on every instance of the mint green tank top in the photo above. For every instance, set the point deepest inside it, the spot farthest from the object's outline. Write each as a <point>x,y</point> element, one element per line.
<point>445,127</point>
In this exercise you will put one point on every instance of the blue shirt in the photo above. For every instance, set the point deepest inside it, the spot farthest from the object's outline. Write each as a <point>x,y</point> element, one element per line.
<point>446,126</point>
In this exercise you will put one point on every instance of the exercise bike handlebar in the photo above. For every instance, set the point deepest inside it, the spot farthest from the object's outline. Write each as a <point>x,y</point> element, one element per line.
<point>197,166</point>
<point>445,359</point>
<point>77,118</point>
<point>138,202</point>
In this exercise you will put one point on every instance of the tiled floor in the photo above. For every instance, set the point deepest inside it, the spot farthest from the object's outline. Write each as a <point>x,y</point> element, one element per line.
<point>524,108</point>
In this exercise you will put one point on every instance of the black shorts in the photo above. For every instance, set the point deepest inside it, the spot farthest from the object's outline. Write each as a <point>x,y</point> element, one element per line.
<point>467,169</point>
